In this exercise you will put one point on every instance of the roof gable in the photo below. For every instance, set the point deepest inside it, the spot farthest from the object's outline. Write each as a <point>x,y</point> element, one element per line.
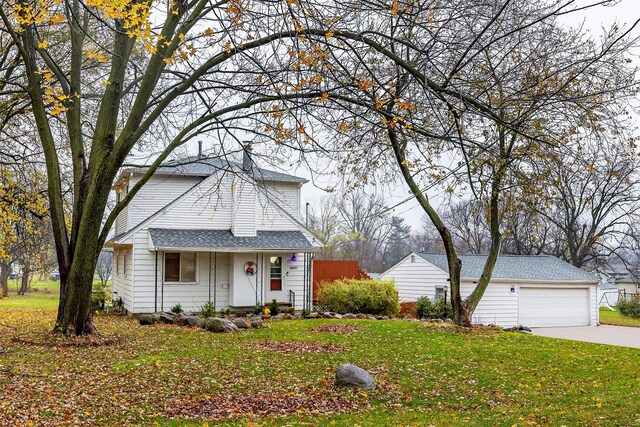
<point>207,166</point>
<point>515,267</point>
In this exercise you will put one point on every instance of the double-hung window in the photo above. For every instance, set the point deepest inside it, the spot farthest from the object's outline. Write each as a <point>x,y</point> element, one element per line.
<point>180,267</point>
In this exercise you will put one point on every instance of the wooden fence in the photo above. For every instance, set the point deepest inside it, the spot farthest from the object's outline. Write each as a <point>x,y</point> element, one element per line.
<point>327,270</point>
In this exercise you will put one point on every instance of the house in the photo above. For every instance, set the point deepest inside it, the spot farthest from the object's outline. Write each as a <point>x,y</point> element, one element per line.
<point>208,229</point>
<point>536,291</point>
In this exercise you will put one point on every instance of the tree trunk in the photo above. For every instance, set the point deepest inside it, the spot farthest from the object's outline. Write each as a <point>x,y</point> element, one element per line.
<point>24,282</point>
<point>5,268</point>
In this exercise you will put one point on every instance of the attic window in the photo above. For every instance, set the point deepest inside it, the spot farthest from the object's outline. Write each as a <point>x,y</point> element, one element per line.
<point>180,267</point>
<point>413,259</point>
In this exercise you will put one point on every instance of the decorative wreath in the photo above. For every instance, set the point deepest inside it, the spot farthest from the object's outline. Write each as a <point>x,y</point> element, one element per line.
<point>250,268</point>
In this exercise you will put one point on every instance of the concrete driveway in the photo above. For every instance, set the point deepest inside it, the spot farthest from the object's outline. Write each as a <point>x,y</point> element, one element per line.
<point>605,334</point>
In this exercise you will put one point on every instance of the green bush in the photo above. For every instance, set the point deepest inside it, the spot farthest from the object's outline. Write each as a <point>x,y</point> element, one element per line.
<point>176,308</point>
<point>630,308</point>
<point>360,296</point>
<point>274,308</point>
<point>208,309</point>
<point>433,309</point>
<point>98,298</point>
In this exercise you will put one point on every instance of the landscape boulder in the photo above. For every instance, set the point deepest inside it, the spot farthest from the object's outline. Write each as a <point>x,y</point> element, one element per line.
<point>216,324</point>
<point>327,316</point>
<point>180,319</point>
<point>240,323</point>
<point>147,319</point>
<point>165,317</point>
<point>349,316</point>
<point>371,317</point>
<point>337,316</point>
<point>195,321</point>
<point>361,316</point>
<point>277,317</point>
<point>354,376</point>
<point>256,323</point>
<point>287,316</point>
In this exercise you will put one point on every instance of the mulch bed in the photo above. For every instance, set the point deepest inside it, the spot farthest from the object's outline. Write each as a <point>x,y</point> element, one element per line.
<point>337,328</point>
<point>259,405</point>
<point>295,347</point>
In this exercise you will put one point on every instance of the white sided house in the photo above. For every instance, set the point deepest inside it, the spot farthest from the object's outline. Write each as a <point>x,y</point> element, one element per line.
<point>206,229</point>
<point>535,291</point>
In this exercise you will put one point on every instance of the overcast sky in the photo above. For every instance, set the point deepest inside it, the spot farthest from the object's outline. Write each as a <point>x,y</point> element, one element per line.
<point>595,20</point>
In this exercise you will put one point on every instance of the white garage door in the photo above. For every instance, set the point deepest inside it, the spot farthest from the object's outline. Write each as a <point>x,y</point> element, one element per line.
<point>540,307</point>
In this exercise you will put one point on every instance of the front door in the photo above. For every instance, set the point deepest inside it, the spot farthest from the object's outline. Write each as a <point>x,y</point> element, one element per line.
<point>275,279</point>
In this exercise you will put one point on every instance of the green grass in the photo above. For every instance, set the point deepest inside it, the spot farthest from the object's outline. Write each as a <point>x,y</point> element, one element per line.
<point>44,295</point>
<point>426,377</point>
<point>608,317</point>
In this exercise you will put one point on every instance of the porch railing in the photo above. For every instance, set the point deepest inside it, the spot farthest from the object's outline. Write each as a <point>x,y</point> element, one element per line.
<point>292,299</point>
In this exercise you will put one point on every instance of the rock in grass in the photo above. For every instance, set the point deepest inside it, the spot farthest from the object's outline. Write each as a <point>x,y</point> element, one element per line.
<point>147,319</point>
<point>349,316</point>
<point>361,316</point>
<point>354,376</point>
<point>180,319</point>
<point>256,323</point>
<point>327,316</point>
<point>337,316</point>
<point>165,318</point>
<point>371,317</point>
<point>240,323</point>
<point>195,321</point>
<point>216,324</point>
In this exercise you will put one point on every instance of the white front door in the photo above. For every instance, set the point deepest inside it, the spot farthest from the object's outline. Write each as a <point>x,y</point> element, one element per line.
<point>549,307</point>
<point>275,278</point>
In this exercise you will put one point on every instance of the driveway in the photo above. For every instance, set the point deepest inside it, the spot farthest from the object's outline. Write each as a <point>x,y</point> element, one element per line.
<point>605,334</point>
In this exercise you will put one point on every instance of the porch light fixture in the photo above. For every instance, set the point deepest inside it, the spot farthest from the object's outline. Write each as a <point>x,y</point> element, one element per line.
<point>293,258</point>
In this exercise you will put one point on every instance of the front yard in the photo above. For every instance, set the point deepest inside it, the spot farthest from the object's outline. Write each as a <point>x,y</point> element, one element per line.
<point>283,375</point>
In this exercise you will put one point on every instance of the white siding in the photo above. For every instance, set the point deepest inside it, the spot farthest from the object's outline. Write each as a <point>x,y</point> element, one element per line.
<point>284,194</point>
<point>244,208</point>
<point>121,284</point>
<point>122,221</point>
<point>190,296</point>
<point>415,279</point>
<point>294,279</point>
<point>208,206</point>
<point>498,304</point>
<point>158,192</point>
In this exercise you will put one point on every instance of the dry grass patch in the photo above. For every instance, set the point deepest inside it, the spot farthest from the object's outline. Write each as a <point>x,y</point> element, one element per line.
<point>259,405</point>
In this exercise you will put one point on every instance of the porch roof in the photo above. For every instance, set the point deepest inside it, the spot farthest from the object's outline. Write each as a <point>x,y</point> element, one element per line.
<point>224,240</point>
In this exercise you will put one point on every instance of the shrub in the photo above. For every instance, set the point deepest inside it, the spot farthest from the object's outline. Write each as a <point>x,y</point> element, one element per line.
<point>176,308</point>
<point>433,309</point>
<point>258,309</point>
<point>98,297</point>
<point>630,308</point>
<point>208,309</point>
<point>274,308</point>
<point>360,296</point>
<point>408,309</point>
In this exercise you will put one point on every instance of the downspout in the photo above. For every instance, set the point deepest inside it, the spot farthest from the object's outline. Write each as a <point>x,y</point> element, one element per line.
<point>209,274</point>
<point>155,295</point>
<point>256,303</point>
<point>162,285</point>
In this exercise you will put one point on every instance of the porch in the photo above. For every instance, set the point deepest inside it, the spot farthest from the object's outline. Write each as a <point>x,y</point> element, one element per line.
<point>194,267</point>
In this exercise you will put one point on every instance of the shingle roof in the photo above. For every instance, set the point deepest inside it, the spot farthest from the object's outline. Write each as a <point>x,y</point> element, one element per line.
<point>518,267</point>
<point>207,166</point>
<point>224,239</point>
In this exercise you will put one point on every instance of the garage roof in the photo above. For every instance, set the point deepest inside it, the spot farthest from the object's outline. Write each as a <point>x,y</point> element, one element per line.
<point>517,267</point>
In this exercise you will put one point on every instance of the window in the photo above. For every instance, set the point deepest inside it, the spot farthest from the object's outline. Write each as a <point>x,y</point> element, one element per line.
<point>180,267</point>
<point>275,273</point>
<point>124,264</point>
<point>439,292</point>
<point>117,256</point>
<point>413,259</point>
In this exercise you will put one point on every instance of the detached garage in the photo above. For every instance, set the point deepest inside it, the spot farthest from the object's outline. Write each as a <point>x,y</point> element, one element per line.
<point>536,291</point>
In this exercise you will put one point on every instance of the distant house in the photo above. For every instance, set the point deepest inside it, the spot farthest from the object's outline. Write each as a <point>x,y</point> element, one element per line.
<point>206,229</point>
<point>536,291</point>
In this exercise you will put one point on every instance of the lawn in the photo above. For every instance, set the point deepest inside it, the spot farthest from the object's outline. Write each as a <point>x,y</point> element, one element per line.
<point>608,317</point>
<point>169,376</point>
